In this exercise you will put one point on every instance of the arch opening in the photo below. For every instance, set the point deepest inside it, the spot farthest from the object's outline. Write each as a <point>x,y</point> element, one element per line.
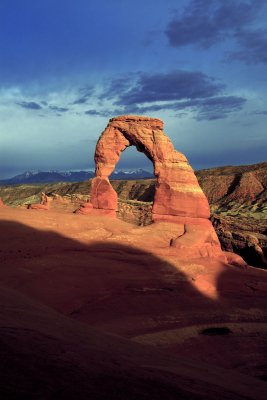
<point>137,143</point>
<point>132,160</point>
<point>134,184</point>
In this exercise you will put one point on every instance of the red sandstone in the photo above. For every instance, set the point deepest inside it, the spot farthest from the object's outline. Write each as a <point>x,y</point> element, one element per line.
<point>2,203</point>
<point>43,205</point>
<point>178,196</point>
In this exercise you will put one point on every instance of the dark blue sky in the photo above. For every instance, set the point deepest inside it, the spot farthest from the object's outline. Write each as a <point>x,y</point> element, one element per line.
<point>68,66</point>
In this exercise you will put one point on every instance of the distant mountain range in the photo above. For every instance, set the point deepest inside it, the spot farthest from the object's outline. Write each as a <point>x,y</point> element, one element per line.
<point>71,176</point>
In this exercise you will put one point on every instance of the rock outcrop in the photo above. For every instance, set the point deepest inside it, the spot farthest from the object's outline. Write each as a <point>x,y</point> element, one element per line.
<point>178,196</point>
<point>231,187</point>
<point>43,205</point>
<point>240,221</point>
<point>238,198</point>
<point>244,235</point>
<point>1,203</point>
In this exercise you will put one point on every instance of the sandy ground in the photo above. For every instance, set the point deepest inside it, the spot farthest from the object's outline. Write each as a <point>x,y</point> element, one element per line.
<point>125,281</point>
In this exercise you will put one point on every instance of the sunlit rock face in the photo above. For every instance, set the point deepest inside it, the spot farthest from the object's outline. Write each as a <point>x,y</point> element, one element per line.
<point>43,205</point>
<point>178,195</point>
<point>1,203</point>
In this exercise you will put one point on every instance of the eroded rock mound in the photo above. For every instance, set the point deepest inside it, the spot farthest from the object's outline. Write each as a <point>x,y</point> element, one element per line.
<point>43,205</point>
<point>1,203</point>
<point>178,196</point>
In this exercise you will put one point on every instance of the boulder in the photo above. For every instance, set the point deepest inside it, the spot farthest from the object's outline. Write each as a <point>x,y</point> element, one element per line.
<point>43,205</point>
<point>2,204</point>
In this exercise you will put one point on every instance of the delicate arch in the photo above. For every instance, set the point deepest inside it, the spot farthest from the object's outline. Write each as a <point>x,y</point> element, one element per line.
<point>178,196</point>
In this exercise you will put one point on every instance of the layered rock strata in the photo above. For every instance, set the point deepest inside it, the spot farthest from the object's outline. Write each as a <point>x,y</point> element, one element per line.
<point>178,196</point>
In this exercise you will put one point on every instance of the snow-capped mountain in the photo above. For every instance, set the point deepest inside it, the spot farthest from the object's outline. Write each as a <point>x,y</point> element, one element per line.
<point>71,176</point>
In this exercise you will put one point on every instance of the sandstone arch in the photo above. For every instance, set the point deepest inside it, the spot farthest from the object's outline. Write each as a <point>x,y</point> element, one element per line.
<point>178,196</point>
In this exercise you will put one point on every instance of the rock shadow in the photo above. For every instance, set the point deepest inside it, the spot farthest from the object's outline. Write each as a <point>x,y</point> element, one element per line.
<point>108,277</point>
<point>99,282</point>
<point>127,291</point>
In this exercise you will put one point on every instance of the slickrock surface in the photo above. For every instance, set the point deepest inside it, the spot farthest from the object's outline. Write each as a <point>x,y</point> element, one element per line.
<point>125,280</point>
<point>45,355</point>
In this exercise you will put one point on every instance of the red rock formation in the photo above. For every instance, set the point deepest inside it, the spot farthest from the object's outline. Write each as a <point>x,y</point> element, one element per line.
<point>178,196</point>
<point>2,203</point>
<point>43,205</point>
<point>87,208</point>
<point>235,185</point>
<point>235,259</point>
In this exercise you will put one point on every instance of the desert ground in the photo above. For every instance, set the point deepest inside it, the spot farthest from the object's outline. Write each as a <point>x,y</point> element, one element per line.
<point>94,302</point>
